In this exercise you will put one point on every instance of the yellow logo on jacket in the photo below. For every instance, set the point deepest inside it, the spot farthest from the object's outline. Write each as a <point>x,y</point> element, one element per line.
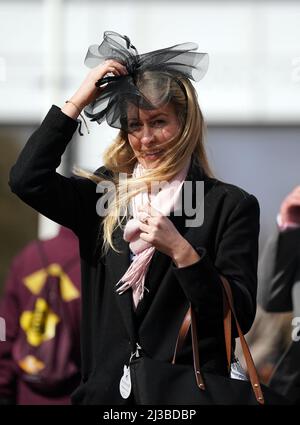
<point>36,281</point>
<point>39,325</point>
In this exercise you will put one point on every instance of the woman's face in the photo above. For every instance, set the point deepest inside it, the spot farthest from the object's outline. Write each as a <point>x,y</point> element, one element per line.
<point>148,130</point>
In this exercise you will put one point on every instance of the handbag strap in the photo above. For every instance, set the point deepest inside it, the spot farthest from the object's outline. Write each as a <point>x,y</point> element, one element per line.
<point>185,326</point>
<point>228,309</point>
<point>227,328</point>
<point>252,372</point>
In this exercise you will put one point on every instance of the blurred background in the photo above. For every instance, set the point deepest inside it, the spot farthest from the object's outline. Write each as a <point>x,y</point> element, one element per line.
<point>250,96</point>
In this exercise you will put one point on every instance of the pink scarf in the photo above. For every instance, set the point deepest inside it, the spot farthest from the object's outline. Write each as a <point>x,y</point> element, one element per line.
<point>164,201</point>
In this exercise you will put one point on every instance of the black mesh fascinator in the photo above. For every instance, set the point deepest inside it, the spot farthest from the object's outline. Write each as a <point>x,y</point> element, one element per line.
<point>150,76</point>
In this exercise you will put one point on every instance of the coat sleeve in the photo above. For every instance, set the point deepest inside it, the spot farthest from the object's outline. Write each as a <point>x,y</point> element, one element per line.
<point>278,271</point>
<point>236,259</point>
<point>34,178</point>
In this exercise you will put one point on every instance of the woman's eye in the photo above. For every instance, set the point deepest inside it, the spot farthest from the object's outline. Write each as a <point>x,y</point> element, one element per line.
<point>159,123</point>
<point>134,126</point>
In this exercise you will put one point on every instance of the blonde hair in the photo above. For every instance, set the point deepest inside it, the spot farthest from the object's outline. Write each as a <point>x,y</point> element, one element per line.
<point>119,156</point>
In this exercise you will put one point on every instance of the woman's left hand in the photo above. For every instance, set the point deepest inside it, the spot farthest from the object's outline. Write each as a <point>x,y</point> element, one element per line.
<point>160,232</point>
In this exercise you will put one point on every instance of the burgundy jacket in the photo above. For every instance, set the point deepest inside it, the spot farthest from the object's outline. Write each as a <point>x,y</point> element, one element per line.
<point>63,250</point>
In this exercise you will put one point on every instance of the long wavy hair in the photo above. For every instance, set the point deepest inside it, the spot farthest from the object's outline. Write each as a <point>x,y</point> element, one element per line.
<point>120,158</point>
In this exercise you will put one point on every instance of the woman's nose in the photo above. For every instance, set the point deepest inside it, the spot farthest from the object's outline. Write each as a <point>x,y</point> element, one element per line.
<point>147,136</point>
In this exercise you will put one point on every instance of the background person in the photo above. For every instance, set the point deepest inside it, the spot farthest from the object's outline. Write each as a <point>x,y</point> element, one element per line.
<point>279,289</point>
<point>40,359</point>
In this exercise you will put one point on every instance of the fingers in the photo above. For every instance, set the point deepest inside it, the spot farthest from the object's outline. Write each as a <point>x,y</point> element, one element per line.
<point>143,216</point>
<point>116,68</point>
<point>145,227</point>
<point>290,207</point>
<point>294,200</point>
<point>148,208</point>
<point>293,195</point>
<point>296,190</point>
<point>88,90</point>
<point>291,200</point>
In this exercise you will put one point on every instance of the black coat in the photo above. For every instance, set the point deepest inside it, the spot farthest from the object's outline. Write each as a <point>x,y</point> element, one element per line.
<point>227,243</point>
<point>279,273</point>
<point>279,291</point>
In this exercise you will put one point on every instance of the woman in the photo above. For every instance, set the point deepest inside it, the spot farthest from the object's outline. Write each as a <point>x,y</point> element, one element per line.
<point>138,281</point>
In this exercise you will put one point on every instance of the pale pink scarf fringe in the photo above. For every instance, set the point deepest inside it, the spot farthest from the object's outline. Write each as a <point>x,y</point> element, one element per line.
<point>164,201</point>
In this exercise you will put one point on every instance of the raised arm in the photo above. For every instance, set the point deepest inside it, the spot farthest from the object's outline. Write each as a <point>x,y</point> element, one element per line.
<point>279,264</point>
<point>34,178</point>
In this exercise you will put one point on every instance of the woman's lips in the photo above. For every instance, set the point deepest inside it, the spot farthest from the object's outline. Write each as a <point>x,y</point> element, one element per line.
<point>152,154</point>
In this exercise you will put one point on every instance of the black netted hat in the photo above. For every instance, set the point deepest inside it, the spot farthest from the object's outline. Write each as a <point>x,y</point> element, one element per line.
<point>150,75</point>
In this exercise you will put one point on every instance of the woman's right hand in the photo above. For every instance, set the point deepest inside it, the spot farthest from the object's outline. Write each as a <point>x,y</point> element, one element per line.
<point>88,92</point>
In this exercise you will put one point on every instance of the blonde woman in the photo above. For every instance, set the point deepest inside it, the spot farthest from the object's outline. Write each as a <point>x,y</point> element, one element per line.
<point>147,252</point>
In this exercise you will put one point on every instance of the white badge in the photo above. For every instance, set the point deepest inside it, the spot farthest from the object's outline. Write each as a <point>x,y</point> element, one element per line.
<point>125,383</point>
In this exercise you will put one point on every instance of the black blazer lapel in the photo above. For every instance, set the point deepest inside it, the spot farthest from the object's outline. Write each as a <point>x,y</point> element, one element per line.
<point>118,265</point>
<point>195,174</point>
